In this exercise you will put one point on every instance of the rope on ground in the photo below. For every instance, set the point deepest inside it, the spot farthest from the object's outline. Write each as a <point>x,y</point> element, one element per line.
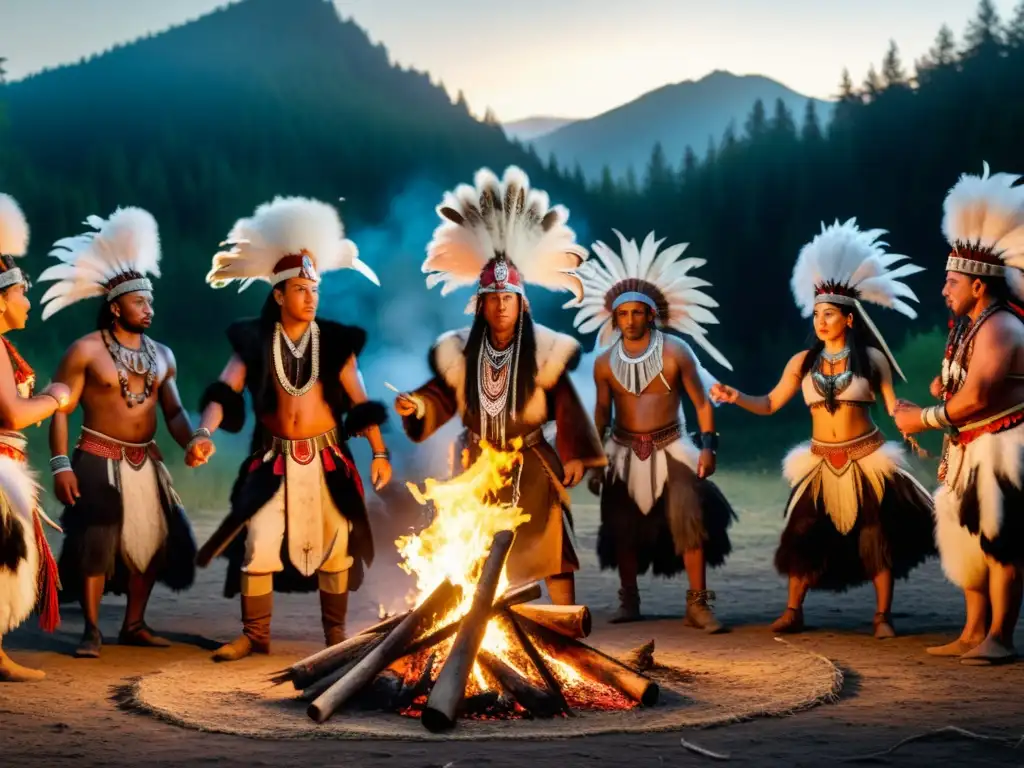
<point>1006,741</point>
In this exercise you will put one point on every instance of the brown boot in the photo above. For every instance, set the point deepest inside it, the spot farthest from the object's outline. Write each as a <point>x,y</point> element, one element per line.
<point>11,672</point>
<point>629,606</point>
<point>333,609</point>
<point>255,637</point>
<point>698,611</point>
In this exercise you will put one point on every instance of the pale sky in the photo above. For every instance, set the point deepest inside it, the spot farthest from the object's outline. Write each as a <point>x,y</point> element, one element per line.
<point>567,58</point>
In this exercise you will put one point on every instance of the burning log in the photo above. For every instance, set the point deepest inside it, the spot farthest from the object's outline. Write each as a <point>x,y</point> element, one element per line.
<point>537,701</point>
<point>531,652</point>
<point>442,600</point>
<point>450,688</point>
<point>311,689</point>
<point>410,693</point>
<point>384,625</point>
<point>594,664</point>
<point>569,620</point>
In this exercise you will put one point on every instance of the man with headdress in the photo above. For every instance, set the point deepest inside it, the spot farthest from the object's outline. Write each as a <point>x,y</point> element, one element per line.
<point>28,573</point>
<point>658,509</point>
<point>298,496</point>
<point>506,377</point>
<point>125,527</point>
<point>979,506</point>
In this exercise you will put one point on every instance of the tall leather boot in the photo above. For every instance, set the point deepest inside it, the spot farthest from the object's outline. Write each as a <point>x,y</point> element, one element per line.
<point>255,637</point>
<point>333,609</point>
<point>629,606</point>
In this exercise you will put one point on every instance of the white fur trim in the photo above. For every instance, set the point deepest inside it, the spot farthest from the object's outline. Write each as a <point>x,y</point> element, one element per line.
<point>554,351</point>
<point>143,527</point>
<point>960,553</point>
<point>841,490</point>
<point>19,589</point>
<point>641,490</point>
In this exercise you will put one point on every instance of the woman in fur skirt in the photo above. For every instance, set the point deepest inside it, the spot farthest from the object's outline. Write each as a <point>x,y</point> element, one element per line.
<point>855,514</point>
<point>27,569</point>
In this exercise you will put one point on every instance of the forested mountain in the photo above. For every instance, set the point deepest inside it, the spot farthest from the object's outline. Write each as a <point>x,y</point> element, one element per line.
<point>201,123</point>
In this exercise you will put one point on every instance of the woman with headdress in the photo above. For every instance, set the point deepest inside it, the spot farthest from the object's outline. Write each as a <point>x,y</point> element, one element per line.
<point>855,514</point>
<point>28,572</point>
<point>507,377</point>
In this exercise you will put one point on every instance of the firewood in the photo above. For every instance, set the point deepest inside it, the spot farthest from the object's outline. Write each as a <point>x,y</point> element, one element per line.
<point>553,686</point>
<point>569,620</point>
<point>535,700</point>
<point>304,673</point>
<point>440,602</point>
<point>450,687</point>
<point>594,664</point>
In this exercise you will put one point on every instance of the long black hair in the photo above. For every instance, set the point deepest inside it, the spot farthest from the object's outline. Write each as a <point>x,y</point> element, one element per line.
<point>858,339</point>
<point>526,365</point>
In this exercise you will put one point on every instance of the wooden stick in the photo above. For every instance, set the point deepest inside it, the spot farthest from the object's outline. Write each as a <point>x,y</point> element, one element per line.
<point>384,625</point>
<point>314,688</point>
<point>442,600</point>
<point>569,620</point>
<point>554,688</point>
<point>594,664</point>
<point>537,701</point>
<point>450,688</point>
<point>410,693</point>
<point>304,673</point>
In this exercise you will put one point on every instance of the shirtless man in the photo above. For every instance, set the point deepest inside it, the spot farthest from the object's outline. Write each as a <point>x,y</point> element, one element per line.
<point>125,528</point>
<point>979,506</point>
<point>300,482</point>
<point>658,509</point>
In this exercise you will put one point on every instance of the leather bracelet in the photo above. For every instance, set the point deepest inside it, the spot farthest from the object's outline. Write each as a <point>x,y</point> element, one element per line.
<point>385,454</point>
<point>60,464</point>
<point>202,433</point>
<point>709,441</point>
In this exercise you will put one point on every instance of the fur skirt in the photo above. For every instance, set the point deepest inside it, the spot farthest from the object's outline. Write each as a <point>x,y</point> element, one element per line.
<point>657,508</point>
<point>19,553</point>
<point>979,508</point>
<point>853,512</point>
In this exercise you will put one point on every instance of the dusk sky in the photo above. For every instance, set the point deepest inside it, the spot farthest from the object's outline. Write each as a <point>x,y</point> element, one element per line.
<point>568,58</point>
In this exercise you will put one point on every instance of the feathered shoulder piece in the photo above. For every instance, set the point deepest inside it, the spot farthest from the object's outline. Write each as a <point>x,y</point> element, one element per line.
<point>13,241</point>
<point>118,257</point>
<point>983,221</point>
<point>285,238</point>
<point>501,235</point>
<point>845,264</point>
<point>659,279</point>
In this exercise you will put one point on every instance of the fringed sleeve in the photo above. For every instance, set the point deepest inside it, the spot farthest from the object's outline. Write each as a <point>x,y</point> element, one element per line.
<point>576,437</point>
<point>440,405</point>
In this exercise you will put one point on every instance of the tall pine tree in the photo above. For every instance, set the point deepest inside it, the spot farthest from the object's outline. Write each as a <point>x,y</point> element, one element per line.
<point>984,35</point>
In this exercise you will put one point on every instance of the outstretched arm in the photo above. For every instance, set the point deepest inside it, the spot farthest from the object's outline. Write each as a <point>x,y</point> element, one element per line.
<point>17,412</point>
<point>765,405</point>
<point>175,415</point>
<point>222,403</point>
<point>352,382</point>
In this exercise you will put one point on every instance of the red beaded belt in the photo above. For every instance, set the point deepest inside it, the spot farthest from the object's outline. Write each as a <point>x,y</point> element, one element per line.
<point>108,448</point>
<point>303,450</point>
<point>644,444</point>
<point>841,454</point>
<point>998,423</point>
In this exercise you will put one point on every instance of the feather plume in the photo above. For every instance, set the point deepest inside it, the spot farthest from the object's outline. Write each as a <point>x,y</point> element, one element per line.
<point>285,226</point>
<point>127,242</point>
<point>987,212</point>
<point>13,228</point>
<point>502,218</point>
<point>855,261</point>
<point>661,275</point>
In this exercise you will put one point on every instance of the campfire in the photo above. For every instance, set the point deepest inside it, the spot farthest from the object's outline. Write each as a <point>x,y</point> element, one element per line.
<point>469,646</point>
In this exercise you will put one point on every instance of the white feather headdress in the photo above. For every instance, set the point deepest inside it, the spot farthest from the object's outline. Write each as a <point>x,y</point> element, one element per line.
<point>500,235</point>
<point>285,238</point>
<point>846,265</point>
<point>642,273</point>
<point>13,240</point>
<point>114,260</point>
<point>983,221</point>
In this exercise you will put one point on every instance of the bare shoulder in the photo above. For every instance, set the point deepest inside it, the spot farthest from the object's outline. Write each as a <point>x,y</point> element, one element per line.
<point>678,351</point>
<point>796,362</point>
<point>1003,330</point>
<point>878,359</point>
<point>86,346</point>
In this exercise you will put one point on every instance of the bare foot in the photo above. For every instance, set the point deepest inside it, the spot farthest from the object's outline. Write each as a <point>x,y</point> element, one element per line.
<point>883,626</point>
<point>12,672</point>
<point>790,622</point>
<point>958,647</point>
<point>991,651</point>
